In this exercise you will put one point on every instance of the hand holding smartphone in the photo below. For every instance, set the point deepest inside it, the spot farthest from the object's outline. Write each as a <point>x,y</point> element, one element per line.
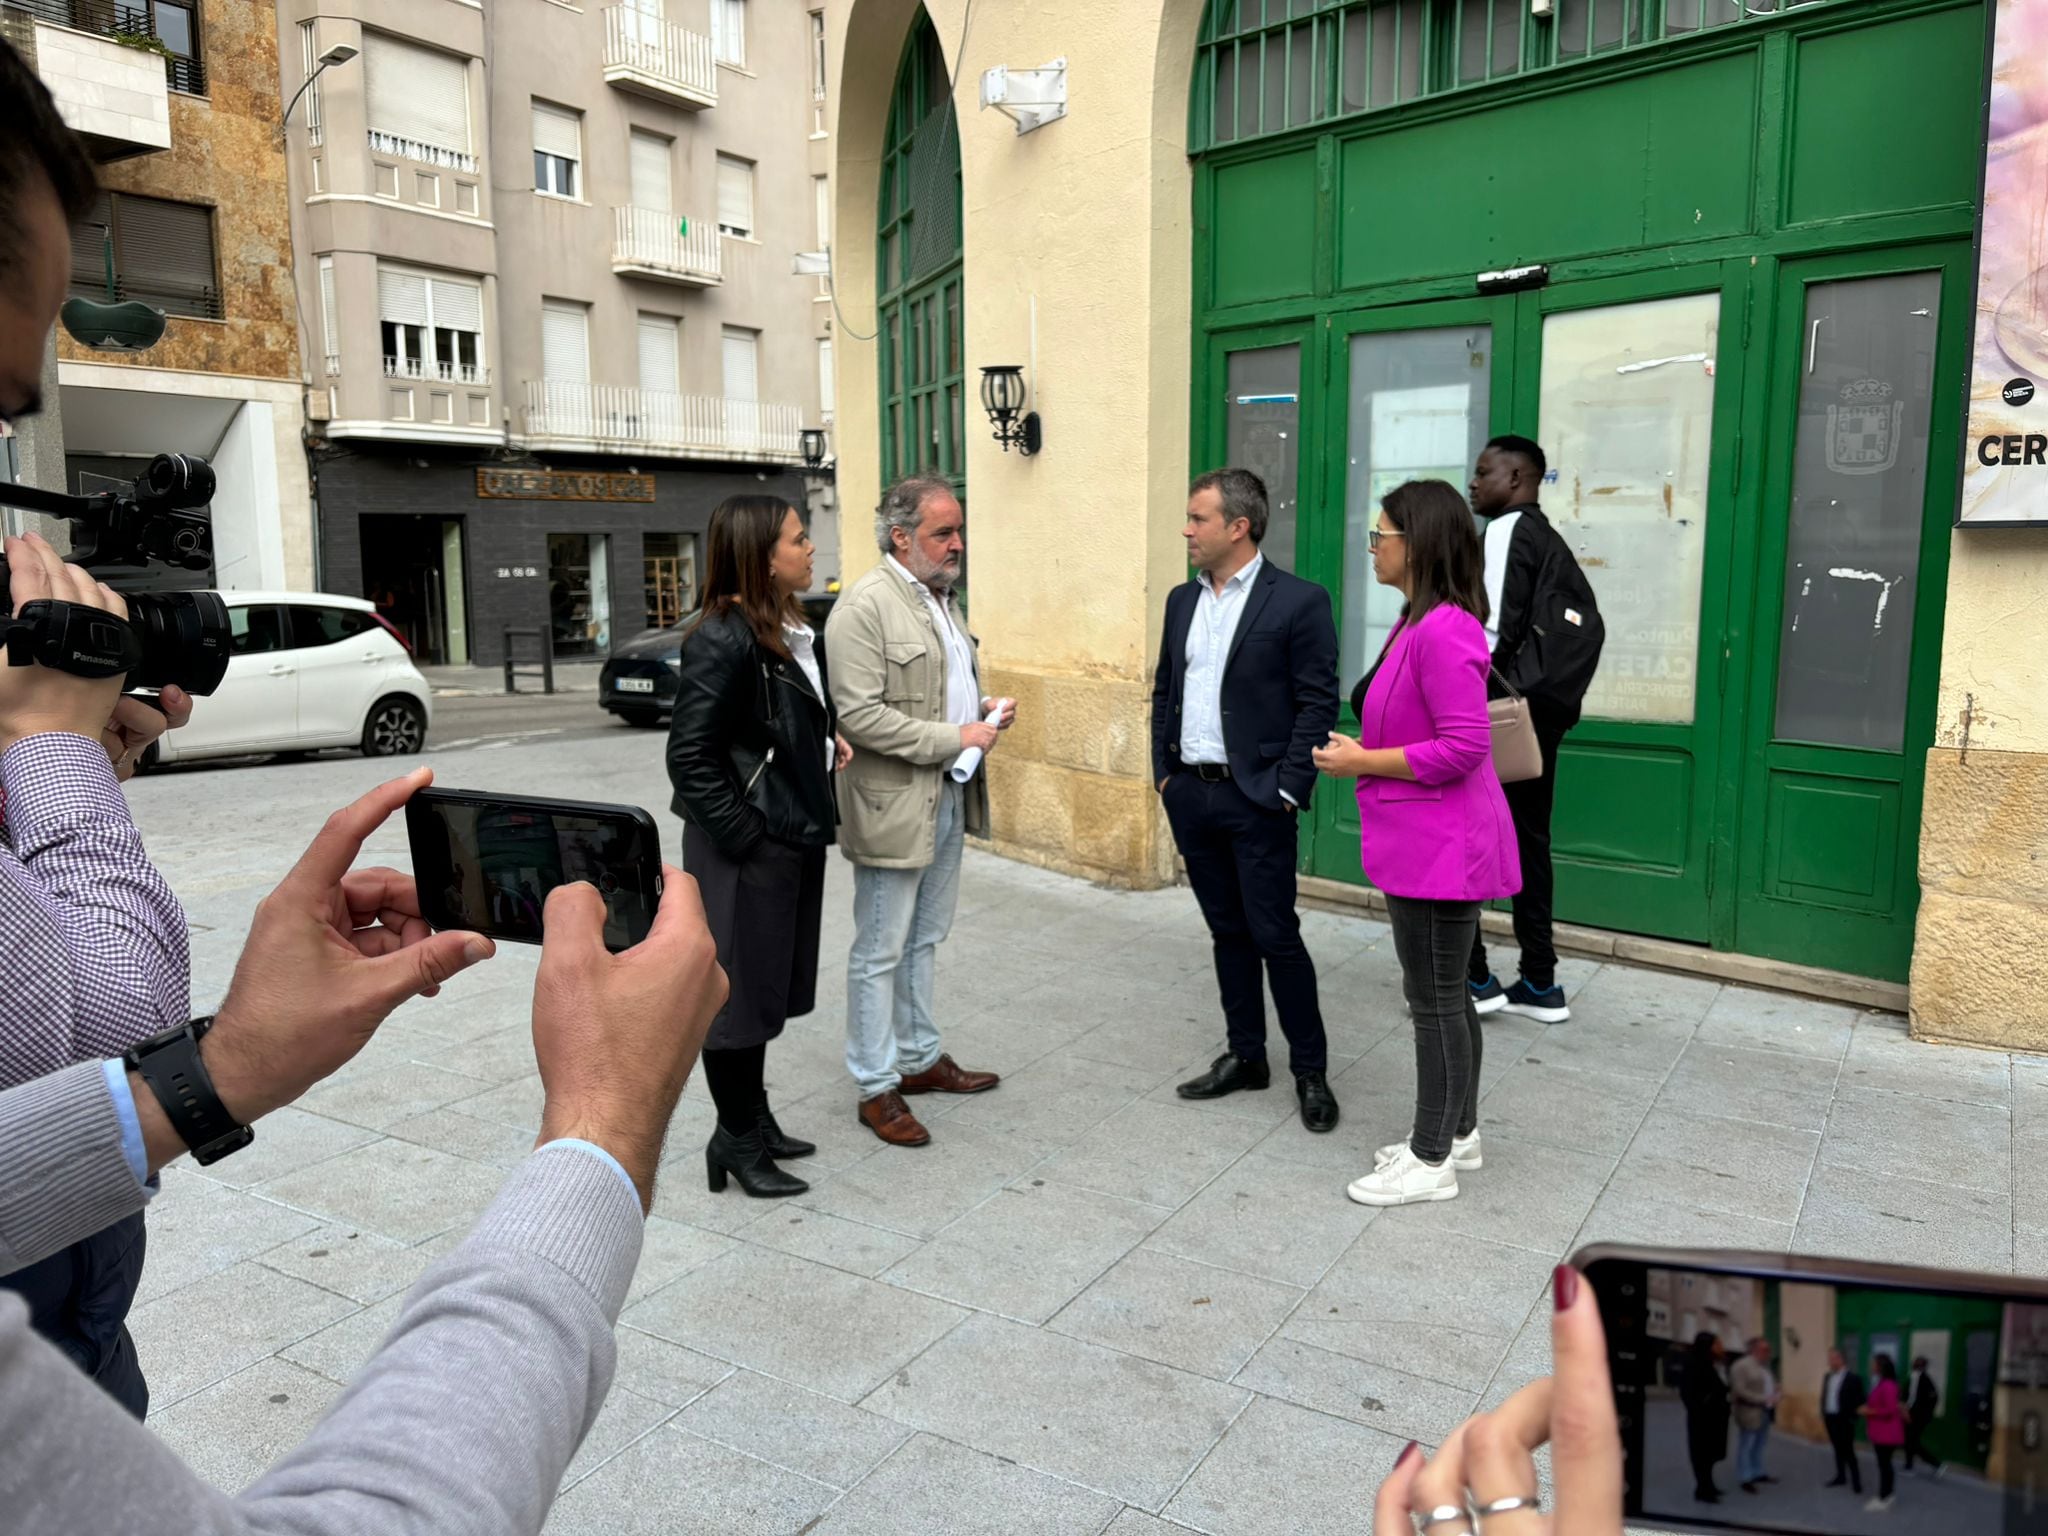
<point>486,863</point>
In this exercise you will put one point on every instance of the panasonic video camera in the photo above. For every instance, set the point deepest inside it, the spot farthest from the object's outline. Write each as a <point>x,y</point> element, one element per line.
<point>132,539</point>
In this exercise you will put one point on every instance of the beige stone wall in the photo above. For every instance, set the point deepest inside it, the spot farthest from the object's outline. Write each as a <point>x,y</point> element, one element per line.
<point>225,152</point>
<point>1980,949</point>
<point>1077,266</point>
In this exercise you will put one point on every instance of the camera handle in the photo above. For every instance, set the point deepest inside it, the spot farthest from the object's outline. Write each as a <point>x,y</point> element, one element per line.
<point>70,637</point>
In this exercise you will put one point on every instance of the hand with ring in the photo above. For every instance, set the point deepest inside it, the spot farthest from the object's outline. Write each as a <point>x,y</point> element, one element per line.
<point>1483,1477</point>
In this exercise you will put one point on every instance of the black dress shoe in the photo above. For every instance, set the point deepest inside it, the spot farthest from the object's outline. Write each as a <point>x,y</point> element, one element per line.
<point>747,1159</point>
<point>1318,1104</point>
<point>779,1145</point>
<point>1227,1074</point>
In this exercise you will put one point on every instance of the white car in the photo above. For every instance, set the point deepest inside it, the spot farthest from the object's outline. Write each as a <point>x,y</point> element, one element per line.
<point>309,670</point>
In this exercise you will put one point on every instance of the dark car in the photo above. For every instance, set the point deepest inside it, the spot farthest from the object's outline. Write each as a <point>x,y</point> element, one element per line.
<point>638,683</point>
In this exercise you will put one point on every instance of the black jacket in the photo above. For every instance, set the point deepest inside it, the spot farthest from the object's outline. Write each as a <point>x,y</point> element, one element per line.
<point>1533,544</point>
<point>1926,1400</point>
<point>1853,1395</point>
<point>1279,686</point>
<point>747,742</point>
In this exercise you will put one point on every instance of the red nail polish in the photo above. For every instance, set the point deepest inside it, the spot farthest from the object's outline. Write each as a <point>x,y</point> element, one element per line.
<point>1407,1455</point>
<point>1564,1287</point>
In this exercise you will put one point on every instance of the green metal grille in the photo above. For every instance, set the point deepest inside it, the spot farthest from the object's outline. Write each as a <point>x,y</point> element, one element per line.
<point>1268,66</point>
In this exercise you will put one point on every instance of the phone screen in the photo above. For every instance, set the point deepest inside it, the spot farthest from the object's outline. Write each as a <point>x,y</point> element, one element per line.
<point>488,863</point>
<point>1754,1403</point>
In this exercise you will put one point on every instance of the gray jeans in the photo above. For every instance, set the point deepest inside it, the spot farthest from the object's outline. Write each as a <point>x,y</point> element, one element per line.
<point>1433,940</point>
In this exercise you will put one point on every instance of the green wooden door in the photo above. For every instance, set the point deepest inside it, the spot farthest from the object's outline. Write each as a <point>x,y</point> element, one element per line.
<point>1633,385</point>
<point>1865,360</point>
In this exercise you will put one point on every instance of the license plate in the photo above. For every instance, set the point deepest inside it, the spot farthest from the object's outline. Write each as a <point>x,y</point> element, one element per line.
<point>636,685</point>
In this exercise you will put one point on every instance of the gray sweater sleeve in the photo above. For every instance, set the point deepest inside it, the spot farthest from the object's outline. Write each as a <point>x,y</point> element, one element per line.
<point>63,1176</point>
<point>463,1421</point>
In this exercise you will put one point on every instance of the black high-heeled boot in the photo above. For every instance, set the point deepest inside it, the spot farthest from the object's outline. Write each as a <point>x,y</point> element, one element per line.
<point>746,1159</point>
<point>781,1146</point>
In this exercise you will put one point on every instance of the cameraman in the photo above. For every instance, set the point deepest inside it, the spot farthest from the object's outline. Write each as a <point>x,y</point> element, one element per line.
<point>92,942</point>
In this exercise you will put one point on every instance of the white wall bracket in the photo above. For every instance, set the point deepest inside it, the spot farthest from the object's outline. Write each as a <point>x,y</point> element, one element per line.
<point>1031,98</point>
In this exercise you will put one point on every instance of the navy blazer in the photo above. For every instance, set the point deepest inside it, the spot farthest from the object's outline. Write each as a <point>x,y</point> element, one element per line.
<point>1279,686</point>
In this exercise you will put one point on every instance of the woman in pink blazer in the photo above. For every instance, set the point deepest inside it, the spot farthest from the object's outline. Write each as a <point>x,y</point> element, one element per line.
<point>1884,1418</point>
<point>1437,836</point>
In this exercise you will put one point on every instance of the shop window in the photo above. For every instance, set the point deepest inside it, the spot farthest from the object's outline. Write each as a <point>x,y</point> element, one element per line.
<point>669,562</point>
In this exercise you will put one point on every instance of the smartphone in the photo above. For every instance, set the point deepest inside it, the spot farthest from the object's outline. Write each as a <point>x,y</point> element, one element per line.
<point>486,863</point>
<point>1825,1397</point>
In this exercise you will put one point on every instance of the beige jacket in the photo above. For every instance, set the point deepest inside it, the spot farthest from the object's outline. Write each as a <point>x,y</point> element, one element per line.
<point>889,686</point>
<point>1750,1385</point>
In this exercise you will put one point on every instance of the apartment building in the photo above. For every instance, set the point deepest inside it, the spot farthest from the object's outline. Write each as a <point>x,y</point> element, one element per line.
<point>550,251</point>
<point>179,104</point>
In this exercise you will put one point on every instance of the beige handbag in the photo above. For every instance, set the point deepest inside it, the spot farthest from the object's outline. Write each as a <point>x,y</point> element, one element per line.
<point>1516,753</point>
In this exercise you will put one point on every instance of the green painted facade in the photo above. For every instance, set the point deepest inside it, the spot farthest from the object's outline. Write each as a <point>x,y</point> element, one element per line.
<point>1799,190</point>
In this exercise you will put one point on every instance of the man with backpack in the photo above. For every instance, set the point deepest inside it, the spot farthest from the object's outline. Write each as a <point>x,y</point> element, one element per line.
<point>1546,634</point>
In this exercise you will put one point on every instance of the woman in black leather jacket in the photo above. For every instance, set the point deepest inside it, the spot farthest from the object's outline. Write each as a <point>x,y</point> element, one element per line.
<point>752,748</point>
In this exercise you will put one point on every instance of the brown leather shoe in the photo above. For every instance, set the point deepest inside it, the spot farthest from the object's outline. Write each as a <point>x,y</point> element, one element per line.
<point>890,1118</point>
<point>947,1076</point>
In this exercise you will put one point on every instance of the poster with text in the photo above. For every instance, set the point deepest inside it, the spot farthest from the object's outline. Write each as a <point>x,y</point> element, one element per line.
<point>2005,445</point>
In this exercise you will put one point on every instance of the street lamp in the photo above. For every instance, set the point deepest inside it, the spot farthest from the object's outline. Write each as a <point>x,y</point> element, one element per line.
<point>340,53</point>
<point>813,440</point>
<point>1002,396</point>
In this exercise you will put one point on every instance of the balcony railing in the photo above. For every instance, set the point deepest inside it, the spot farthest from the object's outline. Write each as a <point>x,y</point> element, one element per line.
<point>427,154</point>
<point>124,21</point>
<point>621,418</point>
<point>651,243</point>
<point>658,58</point>
<point>448,373</point>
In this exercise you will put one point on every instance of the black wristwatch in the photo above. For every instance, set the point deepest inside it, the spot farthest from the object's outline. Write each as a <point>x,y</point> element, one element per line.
<point>170,1064</point>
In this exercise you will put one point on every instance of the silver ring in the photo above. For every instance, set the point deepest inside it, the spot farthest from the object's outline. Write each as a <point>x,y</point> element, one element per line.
<point>1443,1514</point>
<point>1534,1504</point>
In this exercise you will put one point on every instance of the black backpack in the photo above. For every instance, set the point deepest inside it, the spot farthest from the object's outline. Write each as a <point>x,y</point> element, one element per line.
<point>1559,654</point>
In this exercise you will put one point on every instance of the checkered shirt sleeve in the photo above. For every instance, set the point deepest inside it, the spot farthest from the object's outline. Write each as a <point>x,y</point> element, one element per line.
<point>93,945</point>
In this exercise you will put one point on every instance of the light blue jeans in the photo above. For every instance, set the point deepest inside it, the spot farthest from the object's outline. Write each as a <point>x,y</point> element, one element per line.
<point>901,916</point>
<point>1749,1453</point>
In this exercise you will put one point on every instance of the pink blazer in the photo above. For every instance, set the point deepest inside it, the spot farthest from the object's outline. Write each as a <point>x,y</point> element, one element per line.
<point>1448,835</point>
<point>1887,1422</point>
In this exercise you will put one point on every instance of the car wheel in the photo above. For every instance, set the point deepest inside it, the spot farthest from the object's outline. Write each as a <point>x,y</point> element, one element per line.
<point>396,727</point>
<point>641,719</point>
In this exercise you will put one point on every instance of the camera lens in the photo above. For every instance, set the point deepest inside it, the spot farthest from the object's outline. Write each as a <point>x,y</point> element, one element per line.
<point>185,639</point>
<point>180,479</point>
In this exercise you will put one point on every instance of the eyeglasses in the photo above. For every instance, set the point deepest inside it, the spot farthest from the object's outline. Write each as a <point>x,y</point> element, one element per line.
<point>1374,535</point>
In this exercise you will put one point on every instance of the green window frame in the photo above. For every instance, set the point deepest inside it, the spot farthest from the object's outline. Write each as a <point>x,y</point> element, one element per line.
<point>1266,67</point>
<point>922,346</point>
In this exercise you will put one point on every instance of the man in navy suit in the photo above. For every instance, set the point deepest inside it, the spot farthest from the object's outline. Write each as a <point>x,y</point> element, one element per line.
<point>1246,690</point>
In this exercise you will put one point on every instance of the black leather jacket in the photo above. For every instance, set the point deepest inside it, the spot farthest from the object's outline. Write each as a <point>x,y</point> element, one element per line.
<point>746,744</point>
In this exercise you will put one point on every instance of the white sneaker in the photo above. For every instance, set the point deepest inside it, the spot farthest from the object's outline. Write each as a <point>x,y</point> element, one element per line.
<point>1877,1506</point>
<point>1465,1153</point>
<point>1406,1180</point>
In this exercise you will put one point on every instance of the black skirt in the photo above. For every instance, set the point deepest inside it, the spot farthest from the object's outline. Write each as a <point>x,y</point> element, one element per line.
<point>764,915</point>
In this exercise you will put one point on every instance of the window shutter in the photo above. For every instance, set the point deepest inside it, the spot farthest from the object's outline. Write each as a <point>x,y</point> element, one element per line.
<point>556,132</point>
<point>401,297</point>
<point>327,305</point>
<point>729,31</point>
<point>735,194</point>
<point>741,372</point>
<point>658,338</point>
<point>416,93</point>
<point>88,249</point>
<point>457,306</point>
<point>164,253</point>
<point>651,175</point>
<point>564,344</point>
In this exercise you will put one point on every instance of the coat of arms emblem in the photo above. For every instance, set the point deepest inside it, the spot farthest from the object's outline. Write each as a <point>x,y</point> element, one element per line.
<point>1863,431</point>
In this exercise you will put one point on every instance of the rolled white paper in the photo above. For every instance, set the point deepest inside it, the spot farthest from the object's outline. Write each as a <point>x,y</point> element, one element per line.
<point>964,766</point>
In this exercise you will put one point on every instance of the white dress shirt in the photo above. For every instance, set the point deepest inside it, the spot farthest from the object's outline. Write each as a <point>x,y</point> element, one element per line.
<point>963,699</point>
<point>803,645</point>
<point>1210,632</point>
<point>1831,1396</point>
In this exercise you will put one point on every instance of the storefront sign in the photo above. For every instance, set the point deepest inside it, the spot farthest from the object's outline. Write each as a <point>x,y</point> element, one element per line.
<point>563,485</point>
<point>2005,445</point>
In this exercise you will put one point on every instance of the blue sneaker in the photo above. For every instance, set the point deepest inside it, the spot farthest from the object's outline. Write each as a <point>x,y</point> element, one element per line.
<point>1488,996</point>
<point>1545,1007</point>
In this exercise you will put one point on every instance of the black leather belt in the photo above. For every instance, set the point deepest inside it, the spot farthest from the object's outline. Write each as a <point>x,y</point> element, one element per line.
<point>1210,773</point>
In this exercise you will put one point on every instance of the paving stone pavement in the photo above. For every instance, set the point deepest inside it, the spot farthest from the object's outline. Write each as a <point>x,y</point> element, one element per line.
<point>1087,1307</point>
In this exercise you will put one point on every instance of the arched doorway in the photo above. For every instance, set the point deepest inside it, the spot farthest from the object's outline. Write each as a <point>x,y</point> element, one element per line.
<point>921,348</point>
